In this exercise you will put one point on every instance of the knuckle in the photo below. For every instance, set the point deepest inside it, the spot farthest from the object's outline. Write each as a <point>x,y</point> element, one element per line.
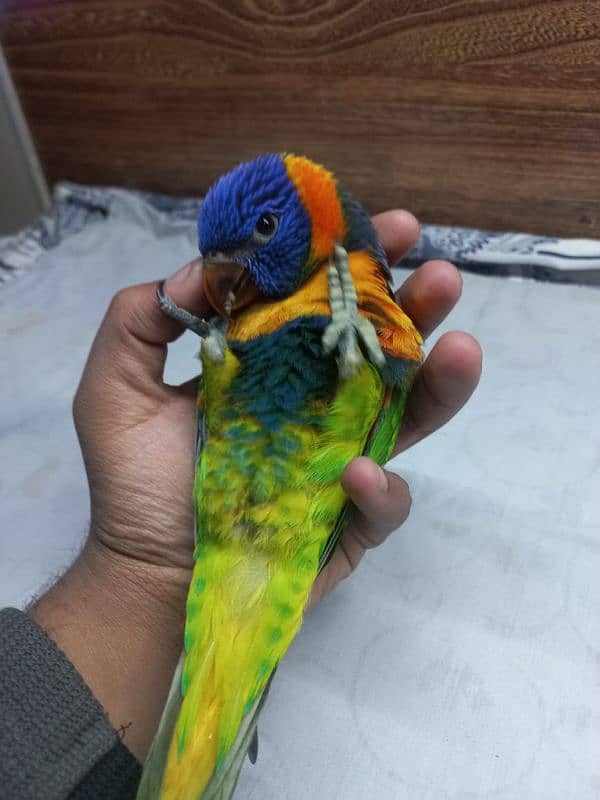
<point>122,304</point>
<point>129,314</point>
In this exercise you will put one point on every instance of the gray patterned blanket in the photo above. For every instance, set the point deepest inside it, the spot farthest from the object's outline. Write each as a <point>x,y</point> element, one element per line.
<point>514,254</point>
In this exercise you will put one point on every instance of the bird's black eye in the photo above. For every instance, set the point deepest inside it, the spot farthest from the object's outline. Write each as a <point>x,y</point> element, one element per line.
<point>265,228</point>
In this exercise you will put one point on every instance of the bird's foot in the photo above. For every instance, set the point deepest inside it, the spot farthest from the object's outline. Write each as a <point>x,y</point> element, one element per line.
<point>348,329</point>
<point>211,333</point>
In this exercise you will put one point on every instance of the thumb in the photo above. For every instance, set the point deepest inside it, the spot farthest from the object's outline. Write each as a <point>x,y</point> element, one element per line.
<point>131,344</point>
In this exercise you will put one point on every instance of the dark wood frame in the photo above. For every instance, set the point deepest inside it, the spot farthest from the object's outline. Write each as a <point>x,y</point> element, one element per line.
<point>482,113</point>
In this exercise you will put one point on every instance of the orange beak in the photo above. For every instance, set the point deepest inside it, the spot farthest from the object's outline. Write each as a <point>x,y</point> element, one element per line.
<point>227,285</point>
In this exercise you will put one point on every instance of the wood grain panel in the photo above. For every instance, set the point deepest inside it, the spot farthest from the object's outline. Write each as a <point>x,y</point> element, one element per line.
<point>472,112</point>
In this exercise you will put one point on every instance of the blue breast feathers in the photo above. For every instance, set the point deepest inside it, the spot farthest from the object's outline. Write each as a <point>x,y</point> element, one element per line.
<point>282,372</point>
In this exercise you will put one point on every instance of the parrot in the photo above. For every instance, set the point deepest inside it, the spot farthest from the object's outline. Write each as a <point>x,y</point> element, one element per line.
<point>307,362</point>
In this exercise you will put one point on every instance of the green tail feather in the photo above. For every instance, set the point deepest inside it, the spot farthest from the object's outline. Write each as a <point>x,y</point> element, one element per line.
<point>154,765</point>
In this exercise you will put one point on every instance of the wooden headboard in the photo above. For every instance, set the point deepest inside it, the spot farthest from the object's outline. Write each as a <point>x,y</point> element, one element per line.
<point>483,113</point>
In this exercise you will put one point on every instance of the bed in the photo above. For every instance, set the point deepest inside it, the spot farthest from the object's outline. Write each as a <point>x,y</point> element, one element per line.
<point>470,666</point>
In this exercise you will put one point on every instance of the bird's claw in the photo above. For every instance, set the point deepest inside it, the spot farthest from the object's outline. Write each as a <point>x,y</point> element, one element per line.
<point>348,330</point>
<point>213,345</point>
<point>253,748</point>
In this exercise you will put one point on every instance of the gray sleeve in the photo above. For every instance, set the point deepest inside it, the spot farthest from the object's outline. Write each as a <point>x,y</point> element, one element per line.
<point>55,739</point>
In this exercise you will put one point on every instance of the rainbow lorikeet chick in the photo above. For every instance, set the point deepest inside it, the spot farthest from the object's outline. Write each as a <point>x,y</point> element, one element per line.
<point>306,365</point>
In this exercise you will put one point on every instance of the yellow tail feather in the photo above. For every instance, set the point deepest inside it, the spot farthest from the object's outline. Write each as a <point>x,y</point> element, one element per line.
<point>246,617</point>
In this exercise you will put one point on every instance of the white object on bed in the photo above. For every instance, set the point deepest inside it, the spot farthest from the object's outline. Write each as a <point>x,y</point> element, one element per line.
<point>461,661</point>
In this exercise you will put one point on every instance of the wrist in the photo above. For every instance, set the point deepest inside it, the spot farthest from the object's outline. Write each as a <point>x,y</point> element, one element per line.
<point>120,622</point>
<point>157,590</point>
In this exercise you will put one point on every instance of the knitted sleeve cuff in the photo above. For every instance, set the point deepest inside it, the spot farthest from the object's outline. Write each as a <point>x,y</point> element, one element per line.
<point>55,739</point>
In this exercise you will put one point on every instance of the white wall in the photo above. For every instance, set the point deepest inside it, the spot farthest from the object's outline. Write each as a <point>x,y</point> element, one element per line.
<point>23,191</point>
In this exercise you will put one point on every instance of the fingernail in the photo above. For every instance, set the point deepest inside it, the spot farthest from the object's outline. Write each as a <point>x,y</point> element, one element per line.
<point>382,480</point>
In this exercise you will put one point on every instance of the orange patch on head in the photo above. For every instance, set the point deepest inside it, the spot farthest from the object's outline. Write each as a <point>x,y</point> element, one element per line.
<point>318,193</point>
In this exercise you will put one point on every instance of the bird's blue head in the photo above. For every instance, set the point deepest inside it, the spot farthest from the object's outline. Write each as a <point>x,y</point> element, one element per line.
<point>254,217</point>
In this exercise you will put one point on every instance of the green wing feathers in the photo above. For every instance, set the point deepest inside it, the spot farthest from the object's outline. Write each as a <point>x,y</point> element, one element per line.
<point>379,446</point>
